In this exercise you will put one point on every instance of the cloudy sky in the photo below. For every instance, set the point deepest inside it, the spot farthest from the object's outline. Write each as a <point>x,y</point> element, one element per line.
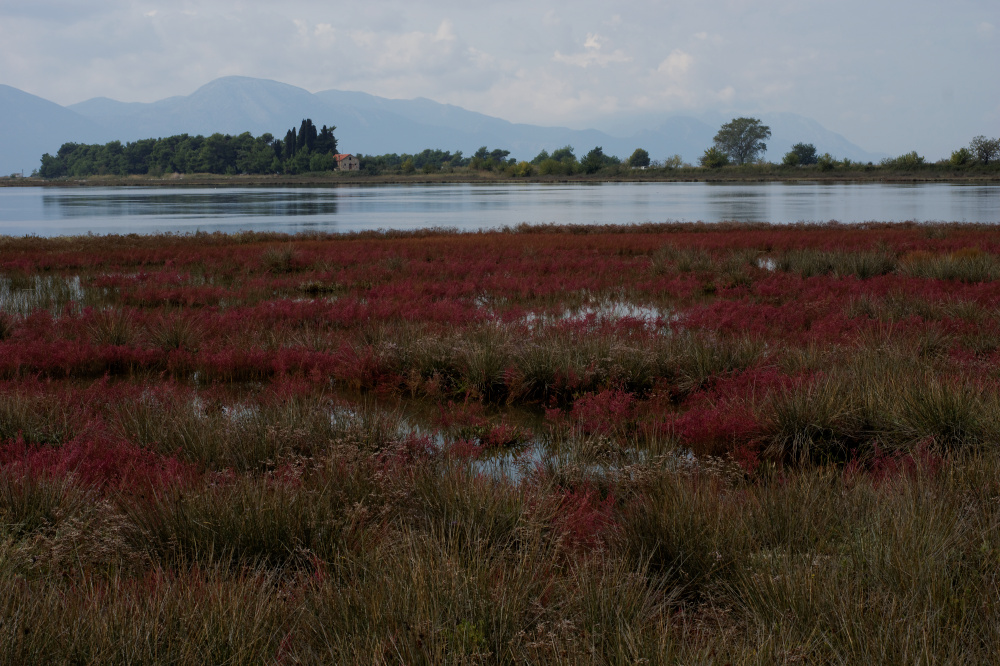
<point>890,75</point>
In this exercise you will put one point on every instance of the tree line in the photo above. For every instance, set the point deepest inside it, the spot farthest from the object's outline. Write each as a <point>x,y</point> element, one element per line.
<point>740,142</point>
<point>303,150</point>
<point>560,162</point>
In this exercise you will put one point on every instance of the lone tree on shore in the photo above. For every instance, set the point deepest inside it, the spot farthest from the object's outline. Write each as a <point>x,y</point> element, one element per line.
<point>742,139</point>
<point>985,150</point>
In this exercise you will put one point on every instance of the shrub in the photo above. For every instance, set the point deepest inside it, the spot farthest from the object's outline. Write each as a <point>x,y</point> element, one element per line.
<point>714,158</point>
<point>952,413</point>
<point>815,421</point>
<point>908,161</point>
<point>522,170</point>
<point>114,326</point>
<point>176,332</point>
<point>961,157</point>
<point>683,531</point>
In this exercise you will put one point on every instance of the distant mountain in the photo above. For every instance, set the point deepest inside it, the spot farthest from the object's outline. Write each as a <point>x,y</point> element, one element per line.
<point>787,129</point>
<point>230,105</point>
<point>365,124</point>
<point>31,126</point>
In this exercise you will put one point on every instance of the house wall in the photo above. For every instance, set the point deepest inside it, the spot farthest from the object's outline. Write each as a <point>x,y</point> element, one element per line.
<point>349,163</point>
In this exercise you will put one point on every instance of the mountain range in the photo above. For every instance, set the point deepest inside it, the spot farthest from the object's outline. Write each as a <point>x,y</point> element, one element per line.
<point>366,124</point>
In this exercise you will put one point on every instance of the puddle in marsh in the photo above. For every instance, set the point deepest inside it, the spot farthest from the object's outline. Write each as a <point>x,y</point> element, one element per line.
<point>603,311</point>
<point>588,309</point>
<point>767,264</point>
<point>539,447</point>
<point>528,443</point>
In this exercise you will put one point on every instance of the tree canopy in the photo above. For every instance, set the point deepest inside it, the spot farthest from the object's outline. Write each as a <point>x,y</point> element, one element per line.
<point>307,149</point>
<point>427,161</point>
<point>639,158</point>
<point>742,139</point>
<point>985,150</point>
<point>801,153</point>
<point>485,159</point>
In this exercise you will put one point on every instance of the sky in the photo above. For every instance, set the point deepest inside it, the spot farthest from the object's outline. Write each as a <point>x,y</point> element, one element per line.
<point>891,76</point>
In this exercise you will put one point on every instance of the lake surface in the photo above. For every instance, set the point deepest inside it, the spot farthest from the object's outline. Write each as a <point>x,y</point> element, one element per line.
<point>60,211</point>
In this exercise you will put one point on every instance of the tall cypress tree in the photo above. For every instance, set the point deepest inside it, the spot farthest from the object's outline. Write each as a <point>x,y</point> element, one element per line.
<point>326,143</point>
<point>307,135</point>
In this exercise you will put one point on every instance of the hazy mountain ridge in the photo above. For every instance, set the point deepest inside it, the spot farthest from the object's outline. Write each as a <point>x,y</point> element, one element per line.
<point>31,126</point>
<point>365,124</point>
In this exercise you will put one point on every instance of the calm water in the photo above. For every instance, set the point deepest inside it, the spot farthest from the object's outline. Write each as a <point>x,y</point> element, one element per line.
<point>52,211</point>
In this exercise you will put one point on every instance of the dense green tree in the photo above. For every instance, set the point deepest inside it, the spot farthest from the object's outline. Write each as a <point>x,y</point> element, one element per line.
<point>217,154</point>
<point>137,154</point>
<point>639,158</point>
<point>801,153</point>
<point>52,167</point>
<point>290,145</point>
<point>594,160</point>
<point>299,163</point>
<point>257,156</point>
<point>326,142</point>
<point>541,157</point>
<point>186,154</point>
<point>485,159</point>
<point>110,159</point>
<point>307,136</point>
<point>562,162</point>
<point>564,154</point>
<point>322,162</point>
<point>985,150</point>
<point>742,139</point>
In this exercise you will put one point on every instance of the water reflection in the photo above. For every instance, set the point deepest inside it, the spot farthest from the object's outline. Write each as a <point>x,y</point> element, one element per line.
<point>746,203</point>
<point>201,204</point>
<point>51,211</point>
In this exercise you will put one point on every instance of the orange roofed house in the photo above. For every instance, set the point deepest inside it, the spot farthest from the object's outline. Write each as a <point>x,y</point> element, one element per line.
<point>347,162</point>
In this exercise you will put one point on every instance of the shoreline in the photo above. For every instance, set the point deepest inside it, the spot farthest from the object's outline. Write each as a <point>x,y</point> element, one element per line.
<point>487,178</point>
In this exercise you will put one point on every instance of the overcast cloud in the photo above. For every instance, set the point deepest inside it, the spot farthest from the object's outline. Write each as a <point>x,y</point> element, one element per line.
<point>891,76</point>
